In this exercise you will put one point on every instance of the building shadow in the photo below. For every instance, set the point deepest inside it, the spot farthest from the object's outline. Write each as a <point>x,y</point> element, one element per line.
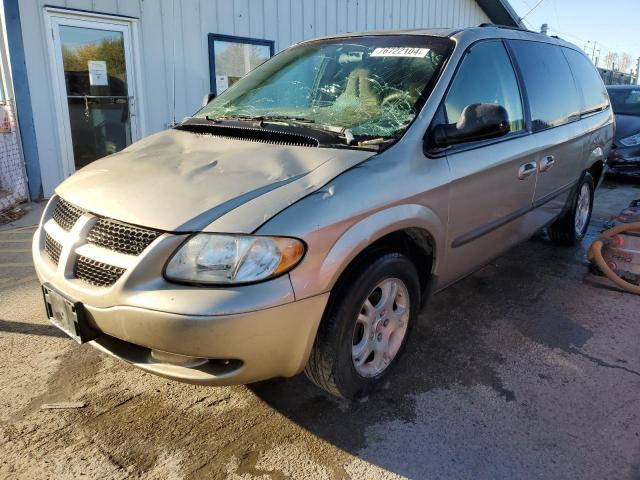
<point>30,329</point>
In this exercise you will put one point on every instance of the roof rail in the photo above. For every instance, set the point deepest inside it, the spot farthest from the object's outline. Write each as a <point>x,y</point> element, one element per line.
<point>520,30</point>
<point>494,25</point>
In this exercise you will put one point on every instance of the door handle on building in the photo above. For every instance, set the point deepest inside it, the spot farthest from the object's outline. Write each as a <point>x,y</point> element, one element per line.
<point>132,106</point>
<point>527,169</point>
<point>546,163</point>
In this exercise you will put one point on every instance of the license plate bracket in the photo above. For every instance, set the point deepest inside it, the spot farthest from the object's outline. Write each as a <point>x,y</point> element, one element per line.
<point>68,315</point>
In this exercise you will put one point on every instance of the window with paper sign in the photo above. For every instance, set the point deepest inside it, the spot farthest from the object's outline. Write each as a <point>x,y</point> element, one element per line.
<point>230,58</point>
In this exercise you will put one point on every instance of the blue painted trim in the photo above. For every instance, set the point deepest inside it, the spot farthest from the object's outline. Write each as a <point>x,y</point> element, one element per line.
<point>23,98</point>
<point>212,37</point>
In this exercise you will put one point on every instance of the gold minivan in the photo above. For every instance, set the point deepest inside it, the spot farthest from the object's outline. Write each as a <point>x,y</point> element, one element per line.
<point>300,220</point>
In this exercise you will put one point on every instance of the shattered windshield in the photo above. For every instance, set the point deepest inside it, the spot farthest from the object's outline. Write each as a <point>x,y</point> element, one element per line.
<point>371,86</point>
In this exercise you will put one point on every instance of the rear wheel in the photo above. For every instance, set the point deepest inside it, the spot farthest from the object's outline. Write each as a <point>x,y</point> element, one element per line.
<point>365,327</point>
<point>571,228</point>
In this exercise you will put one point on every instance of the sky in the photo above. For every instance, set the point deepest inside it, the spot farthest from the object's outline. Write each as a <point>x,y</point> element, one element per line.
<point>614,25</point>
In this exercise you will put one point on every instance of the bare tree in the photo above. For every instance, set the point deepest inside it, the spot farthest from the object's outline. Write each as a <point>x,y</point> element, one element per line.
<point>625,62</point>
<point>611,60</point>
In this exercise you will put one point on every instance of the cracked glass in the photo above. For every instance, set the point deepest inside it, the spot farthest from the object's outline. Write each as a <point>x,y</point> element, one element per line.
<point>372,86</point>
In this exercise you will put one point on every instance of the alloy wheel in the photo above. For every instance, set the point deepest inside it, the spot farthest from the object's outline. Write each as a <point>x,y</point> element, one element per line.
<point>583,210</point>
<point>380,327</point>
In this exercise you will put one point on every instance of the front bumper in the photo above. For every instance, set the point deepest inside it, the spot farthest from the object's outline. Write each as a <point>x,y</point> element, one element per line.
<point>217,350</point>
<point>209,336</point>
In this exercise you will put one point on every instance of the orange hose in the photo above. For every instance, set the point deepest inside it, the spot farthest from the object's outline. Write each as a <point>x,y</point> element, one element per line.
<point>594,254</point>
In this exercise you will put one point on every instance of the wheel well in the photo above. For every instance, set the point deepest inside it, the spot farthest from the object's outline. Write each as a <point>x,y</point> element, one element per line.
<point>596,172</point>
<point>415,243</point>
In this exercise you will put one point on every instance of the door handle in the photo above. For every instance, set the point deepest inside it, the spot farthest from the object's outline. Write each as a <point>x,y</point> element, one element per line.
<point>527,169</point>
<point>546,163</point>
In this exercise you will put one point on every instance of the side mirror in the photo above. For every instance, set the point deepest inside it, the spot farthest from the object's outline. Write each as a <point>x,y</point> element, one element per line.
<point>479,121</point>
<point>207,98</point>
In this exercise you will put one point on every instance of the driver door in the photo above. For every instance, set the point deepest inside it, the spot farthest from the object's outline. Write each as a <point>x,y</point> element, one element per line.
<point>493,181</point>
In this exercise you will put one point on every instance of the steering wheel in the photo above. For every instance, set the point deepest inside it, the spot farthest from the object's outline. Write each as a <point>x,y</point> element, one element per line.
<point>397,97</point>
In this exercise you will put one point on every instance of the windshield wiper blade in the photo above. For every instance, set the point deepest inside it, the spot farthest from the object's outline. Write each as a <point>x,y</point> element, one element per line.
<point>291,120</point>
<point>341,133</point>
<point>262,118</point>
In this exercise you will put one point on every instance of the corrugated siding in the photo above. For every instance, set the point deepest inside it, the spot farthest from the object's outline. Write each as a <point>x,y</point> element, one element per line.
<point>174,32</point>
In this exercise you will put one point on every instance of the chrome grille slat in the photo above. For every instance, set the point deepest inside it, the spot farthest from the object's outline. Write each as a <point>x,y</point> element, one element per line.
<point>66,215</point>
<point>96,273</point>
<point>52,248</point>
<point>121,237</point>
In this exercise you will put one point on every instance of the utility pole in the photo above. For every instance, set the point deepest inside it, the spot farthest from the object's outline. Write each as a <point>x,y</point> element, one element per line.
<point>593,57</point>
<point>612,73</point>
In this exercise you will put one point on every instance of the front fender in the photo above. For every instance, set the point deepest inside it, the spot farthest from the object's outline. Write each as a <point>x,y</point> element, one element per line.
<point>319,273</point>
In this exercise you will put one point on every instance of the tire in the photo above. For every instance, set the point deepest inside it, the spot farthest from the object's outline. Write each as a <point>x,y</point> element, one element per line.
<point>349,319</point>
<point>567,230</point>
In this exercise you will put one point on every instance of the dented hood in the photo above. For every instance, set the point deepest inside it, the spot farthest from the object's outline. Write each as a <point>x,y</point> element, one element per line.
<point>184,181</point>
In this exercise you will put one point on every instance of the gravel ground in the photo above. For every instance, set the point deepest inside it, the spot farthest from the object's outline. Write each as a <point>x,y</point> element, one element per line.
<point>529,368</point>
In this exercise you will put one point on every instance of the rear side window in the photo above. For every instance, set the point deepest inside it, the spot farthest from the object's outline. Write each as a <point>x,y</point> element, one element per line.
<point>550,86</point>
<point>486,76</point>
<point>594,93</point>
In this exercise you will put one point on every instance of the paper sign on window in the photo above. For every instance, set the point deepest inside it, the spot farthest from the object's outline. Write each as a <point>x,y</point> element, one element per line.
<point>98,73</point>
<point>222,83</point>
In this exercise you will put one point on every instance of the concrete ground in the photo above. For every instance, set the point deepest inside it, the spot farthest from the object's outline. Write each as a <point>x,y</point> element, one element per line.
<point>529,368</point>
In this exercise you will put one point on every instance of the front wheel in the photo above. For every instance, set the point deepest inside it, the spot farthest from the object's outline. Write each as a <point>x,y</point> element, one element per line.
<point>365,327</point>
<point>571,228</point>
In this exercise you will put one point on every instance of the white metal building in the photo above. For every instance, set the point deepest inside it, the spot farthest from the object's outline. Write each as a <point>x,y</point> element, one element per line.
<point>92,76</point>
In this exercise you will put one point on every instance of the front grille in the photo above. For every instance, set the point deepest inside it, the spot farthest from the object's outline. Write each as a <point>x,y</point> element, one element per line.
<point>66,214</point>
<point>121,237</point>
<point>52,248</point>
<point>97,273</point>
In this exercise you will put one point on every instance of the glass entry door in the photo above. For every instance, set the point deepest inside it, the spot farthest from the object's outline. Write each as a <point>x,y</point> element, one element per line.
<point>96,91</point>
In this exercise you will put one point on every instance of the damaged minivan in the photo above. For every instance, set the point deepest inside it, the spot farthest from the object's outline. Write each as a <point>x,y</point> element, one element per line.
<point>301,219</point>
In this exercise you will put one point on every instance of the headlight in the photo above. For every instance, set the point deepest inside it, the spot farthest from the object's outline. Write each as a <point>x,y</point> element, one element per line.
<point>233,259</point>
<point>631,141</point>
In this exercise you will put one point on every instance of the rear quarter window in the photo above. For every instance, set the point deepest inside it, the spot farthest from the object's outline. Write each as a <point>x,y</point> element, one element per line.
<point>594,93</point>
<point>551,89</point>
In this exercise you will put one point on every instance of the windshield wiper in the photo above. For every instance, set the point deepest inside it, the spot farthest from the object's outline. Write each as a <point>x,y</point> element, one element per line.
<point>261,118</point>
<point>289,120</point>
<point>343,134</point>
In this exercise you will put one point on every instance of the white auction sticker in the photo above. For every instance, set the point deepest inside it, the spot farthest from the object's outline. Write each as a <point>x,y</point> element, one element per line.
<point>400,52</point>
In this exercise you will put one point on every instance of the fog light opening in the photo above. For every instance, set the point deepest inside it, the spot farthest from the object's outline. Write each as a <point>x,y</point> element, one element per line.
<point>224,366</point>
<point>218,366</point>
<point>158,356</point>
